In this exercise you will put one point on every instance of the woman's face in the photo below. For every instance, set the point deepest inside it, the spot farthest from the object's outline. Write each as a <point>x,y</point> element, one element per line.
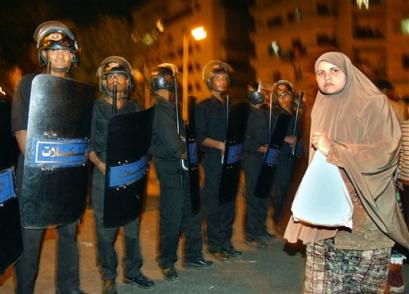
<point>330,78</point>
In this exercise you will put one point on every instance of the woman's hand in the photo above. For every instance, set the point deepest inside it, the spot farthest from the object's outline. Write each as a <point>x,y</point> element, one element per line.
<point>321,142</point>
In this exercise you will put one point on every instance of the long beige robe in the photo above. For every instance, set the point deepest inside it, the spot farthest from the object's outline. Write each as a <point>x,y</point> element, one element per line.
<point>365,135</point>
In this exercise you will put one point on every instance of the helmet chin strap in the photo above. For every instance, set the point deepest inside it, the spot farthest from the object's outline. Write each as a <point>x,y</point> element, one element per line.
<point>106,91</point>
<point>124,96</point>
<point>220,94</point>
<point>48,67</point>
<point>64,70</point>
<point>172,97</point>
<point>68,68</point>
<point>118,96</point>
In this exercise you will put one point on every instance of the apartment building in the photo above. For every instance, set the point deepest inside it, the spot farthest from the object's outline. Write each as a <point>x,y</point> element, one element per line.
<point>376,38</point>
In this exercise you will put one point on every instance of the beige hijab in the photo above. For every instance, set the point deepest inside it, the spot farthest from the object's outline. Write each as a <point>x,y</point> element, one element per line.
<point>365,135</point>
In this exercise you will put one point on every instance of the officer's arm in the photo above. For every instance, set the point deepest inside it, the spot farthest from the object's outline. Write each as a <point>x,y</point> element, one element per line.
<point>99,164</point>
<point>21,140</point>
<point>92,156</point>
<point>201,130</point>
<point>167,133</point>
<point>19,111</point>
<point>212,143</point>
<point>291,140</point>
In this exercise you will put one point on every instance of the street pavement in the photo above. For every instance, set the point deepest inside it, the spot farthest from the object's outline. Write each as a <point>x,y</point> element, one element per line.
<point>269,270</point>
<point>275,269</point>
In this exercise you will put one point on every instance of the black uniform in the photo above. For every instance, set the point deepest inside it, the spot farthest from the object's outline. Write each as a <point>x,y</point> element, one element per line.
<point>256,207</point>
<point>282,175</point>
<point>176,215</point>
<point>11,246</point>
<point>8,145</point>
<point>211,122</point>
<point>107,257</point>
<point>67,252</point>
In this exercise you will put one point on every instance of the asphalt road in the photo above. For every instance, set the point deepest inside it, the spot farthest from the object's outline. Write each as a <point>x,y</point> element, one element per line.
<point>269,270</point>
<point>275,269</point>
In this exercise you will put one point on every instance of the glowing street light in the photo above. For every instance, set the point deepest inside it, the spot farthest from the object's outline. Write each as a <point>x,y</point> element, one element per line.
<point>198,33</point>
<point>159,26</point>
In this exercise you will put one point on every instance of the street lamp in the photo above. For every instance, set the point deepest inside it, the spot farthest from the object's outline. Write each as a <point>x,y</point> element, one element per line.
<point>198,33</point>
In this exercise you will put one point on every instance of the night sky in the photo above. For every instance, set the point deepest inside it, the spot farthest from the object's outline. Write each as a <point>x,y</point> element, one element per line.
<point>19,18</point>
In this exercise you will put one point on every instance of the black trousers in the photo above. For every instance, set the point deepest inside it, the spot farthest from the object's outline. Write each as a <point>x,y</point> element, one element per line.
<point>68,277</point>
<point>67,260</point>
<point>106,254</point>
<point>176,216</point>
<point>281,182</point>
<point>219,217</point>
<point>256,207</point>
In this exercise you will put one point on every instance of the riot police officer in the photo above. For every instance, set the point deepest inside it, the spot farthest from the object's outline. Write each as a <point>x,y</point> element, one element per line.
<point>168,149</point>
<point>11,247</point>
<point>113,70</point>
<point>255,147</point>
<point>57,52</point>
<point>211,128</point>
<point>284,97</point>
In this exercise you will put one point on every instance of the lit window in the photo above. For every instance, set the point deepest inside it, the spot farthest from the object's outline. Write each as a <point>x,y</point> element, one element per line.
<point>404,26</point>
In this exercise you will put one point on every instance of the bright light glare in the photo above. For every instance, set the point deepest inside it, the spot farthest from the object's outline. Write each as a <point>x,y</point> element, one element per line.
<point>159,26</point>
<point>275,47</point>
<point>199,33</point>
<point>2,92</point>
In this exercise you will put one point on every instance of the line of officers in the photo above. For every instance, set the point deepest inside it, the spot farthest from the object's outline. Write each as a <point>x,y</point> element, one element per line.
<point>57,52</point>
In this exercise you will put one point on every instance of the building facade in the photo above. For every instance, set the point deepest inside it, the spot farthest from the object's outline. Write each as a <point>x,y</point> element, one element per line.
<point>227,39</point>
<point>376,39</point>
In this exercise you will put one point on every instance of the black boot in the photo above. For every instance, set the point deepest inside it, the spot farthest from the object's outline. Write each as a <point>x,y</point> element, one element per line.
<point>139,280</point>
<point>198,263</point>
<point>169,273</point>
<point>109,287</point>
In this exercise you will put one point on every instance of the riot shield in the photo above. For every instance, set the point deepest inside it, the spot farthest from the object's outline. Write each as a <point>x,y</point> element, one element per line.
<point>11,245</point>
<point>129,136</point>
<point>193,162</point>
<point>55,175</point>
<point>233,151</point>
<point>265,178</point>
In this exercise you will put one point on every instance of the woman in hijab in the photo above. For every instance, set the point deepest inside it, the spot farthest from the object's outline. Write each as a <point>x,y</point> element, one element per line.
<point>354,127</point>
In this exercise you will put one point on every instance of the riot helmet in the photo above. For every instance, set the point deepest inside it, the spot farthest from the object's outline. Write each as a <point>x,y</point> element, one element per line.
<point>282,93</point>
<point>114,65</point>
<point>55,35</point>
<point>383,85</point>
<point>214,68</point>
<point>164,77</point>
<point>256,94</point>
